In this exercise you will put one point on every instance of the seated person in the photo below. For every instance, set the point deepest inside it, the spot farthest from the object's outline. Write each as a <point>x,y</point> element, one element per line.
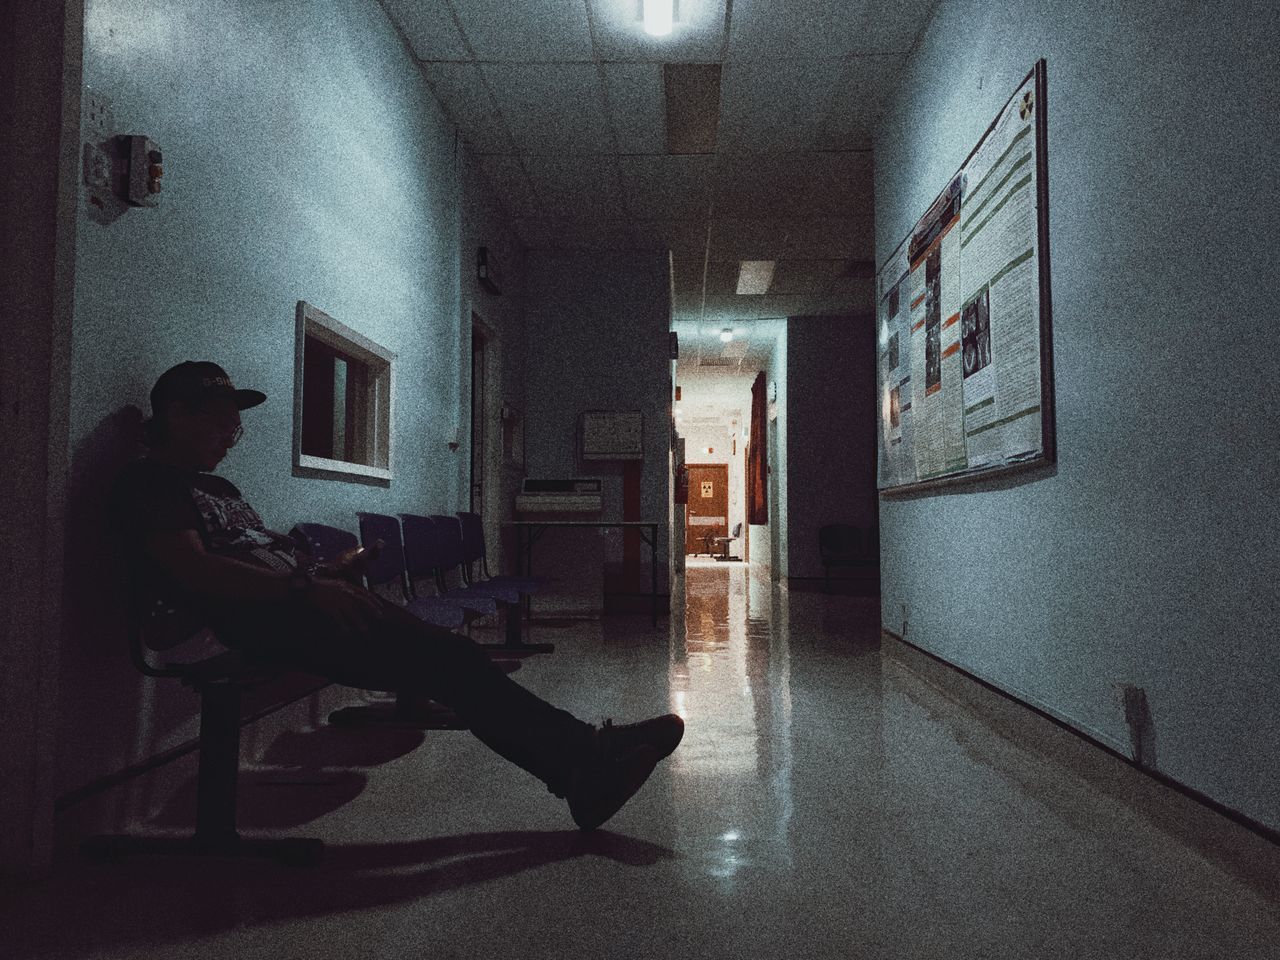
<point>193,538</point>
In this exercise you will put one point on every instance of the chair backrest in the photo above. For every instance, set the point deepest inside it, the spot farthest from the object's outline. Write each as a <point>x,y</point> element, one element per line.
<point>424,549</point>
<point>450,529</point>
<point>323,542</point>
<point>388,565</point>
<point>472,537</point>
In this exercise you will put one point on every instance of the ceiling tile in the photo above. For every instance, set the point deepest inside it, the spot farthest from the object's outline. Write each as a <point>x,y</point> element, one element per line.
<point>764,29</point>
<point>507,176</point>
<point>688,276</point>
<point>747,238</point>
<point>576,186</point>
<point>692,105</point>
<point>635,105</point>
<point>560,233</point>
<point>823,238</point>
<point>551,108</point>
<point>732,307</point>
<point>837,185</point>
<point>863,92</point>
<point>760,185</point>
<point>722,277</point>
<point>686,239</point>
<point>541,31</point>
<point>698,35</point>
<point>429,27</point>
<point>805,277</point>
<point>660,188</point>
<point>461,91</point>
<point>775,105</point>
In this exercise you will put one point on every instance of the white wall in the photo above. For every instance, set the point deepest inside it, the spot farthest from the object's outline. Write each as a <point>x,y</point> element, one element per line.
<point>1147,556</point>
<point>721,438</point>
<point>304,159</point>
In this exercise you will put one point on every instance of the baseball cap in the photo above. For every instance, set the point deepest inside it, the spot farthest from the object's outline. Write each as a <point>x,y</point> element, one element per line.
<point>196,380</point>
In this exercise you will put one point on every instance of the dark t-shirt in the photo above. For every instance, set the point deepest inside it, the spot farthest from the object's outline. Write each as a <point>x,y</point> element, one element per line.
<point>149,497</point>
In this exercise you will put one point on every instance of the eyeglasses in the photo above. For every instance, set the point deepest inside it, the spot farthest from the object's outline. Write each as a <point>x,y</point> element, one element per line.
<point>237,434</point>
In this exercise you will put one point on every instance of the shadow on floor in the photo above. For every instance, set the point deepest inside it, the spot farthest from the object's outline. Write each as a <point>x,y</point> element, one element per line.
<point>157,902</point>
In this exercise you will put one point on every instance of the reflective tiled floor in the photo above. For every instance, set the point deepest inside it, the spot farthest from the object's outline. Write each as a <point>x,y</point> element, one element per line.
<point>826,802</point>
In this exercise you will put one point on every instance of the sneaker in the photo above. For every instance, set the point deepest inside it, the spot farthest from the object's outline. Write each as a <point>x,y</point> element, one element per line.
<point>662,733</point>
<point>600,787</point>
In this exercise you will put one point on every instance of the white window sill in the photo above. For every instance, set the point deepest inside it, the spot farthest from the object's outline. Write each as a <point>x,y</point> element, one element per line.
<point>343,467</point>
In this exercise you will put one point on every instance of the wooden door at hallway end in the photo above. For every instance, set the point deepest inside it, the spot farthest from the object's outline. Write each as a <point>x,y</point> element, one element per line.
<point>708,505</point>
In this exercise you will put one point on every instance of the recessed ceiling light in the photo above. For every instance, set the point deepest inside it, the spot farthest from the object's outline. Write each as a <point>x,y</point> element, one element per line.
<point>726,335</point>
<point>658,17</point>
<point>754,277</point>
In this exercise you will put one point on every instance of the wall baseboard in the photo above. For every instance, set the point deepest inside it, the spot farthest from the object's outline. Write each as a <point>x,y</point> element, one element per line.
<point>1221,834</point>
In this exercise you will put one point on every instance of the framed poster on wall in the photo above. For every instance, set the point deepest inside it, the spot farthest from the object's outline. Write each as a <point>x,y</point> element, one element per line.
<point>964,355</point>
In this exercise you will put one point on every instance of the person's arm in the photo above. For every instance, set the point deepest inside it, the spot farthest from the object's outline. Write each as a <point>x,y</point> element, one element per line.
<point>183,556</point>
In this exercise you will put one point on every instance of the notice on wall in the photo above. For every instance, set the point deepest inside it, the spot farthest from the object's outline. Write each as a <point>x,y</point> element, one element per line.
<point>963,315</point>
<point>612,435</point>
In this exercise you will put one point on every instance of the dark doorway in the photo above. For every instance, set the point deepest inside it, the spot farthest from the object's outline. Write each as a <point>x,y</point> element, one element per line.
<point>478,344</point>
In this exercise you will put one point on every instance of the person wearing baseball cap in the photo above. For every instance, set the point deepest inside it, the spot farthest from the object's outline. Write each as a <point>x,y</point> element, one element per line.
<point>195,542</point>
<point>186,402</point>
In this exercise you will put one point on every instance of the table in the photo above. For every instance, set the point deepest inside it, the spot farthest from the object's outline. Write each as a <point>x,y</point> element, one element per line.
<point>536,528</point>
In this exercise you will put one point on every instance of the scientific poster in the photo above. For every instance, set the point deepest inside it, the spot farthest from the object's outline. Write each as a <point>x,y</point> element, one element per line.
<point>963,314</point>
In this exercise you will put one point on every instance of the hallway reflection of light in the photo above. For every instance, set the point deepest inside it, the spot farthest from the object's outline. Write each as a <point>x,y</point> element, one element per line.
<point>730,680</point>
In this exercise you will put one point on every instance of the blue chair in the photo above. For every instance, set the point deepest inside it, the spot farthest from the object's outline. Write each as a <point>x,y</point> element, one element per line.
<point>422,551</point>
<point>474,553</point>
<point>436,544</point>
<point>388,567</point>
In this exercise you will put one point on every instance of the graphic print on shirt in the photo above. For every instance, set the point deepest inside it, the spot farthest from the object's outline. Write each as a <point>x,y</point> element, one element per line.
<point>233,528</point>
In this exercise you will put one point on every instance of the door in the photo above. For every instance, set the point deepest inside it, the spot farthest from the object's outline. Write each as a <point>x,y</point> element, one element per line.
<point>708,506</point>
<point>478,408</point>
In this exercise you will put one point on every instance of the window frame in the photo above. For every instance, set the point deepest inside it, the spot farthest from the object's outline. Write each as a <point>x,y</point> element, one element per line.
<point>314,322</point>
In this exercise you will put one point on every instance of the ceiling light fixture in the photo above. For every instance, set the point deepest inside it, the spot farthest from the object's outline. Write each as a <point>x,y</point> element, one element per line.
<point>726,335</point>
<point>658,17</point>
<point>754,276</point>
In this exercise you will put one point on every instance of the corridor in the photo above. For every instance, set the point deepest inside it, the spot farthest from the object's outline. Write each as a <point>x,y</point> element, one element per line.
<point>826,802</point>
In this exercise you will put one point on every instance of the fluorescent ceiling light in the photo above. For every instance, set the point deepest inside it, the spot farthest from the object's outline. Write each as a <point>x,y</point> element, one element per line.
<point>755,276</point>
<point>726,335</point>
<point>658,17</point>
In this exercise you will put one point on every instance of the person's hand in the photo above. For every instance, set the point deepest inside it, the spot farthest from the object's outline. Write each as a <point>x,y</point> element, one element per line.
<point>352,564</point>
<point>353,607</point>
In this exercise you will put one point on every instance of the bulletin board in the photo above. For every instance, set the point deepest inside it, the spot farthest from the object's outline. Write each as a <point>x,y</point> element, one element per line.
<point>964,356</point>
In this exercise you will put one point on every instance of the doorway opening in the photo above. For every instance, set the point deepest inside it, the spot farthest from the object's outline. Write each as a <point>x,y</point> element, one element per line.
<point>715,371</point>
<point>478,449</point>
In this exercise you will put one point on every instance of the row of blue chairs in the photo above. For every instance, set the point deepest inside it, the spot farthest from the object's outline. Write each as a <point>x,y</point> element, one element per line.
<point>447,554</point>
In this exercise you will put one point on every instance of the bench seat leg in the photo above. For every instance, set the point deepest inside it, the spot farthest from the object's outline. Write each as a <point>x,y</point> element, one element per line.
<point>216,781</point>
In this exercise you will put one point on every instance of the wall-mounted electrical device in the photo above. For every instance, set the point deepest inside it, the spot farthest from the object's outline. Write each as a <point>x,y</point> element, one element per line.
<point>146,169</point>
<point>487,271</point>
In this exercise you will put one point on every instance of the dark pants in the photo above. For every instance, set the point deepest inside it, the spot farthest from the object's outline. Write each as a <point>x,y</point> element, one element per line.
<point>404,654</point>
